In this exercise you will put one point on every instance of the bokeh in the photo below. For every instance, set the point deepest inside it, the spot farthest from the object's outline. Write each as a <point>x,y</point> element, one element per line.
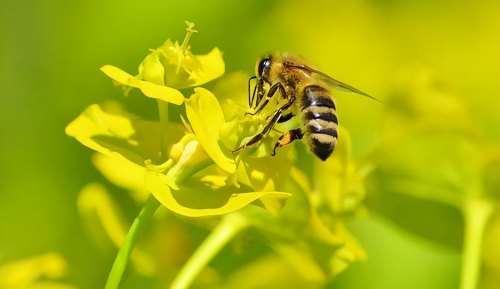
<point>436,64</point>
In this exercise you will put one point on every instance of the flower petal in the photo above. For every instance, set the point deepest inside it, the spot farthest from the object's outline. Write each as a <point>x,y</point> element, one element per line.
<point>183,69</point>
<point>119,75</point>
<point>123,173</point>
<point>149,89</point>
<point>156,184</point>
<point>188,155</point>
<point>161,92</point>
<point>212,66</point>
<point>109,129</point>
<point>101,214</point>
<point>232,93</point>
<point>206,117</point>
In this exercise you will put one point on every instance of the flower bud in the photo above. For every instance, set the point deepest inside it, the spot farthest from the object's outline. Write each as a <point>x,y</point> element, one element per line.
<point>186,154</point>
<point>152,70</point>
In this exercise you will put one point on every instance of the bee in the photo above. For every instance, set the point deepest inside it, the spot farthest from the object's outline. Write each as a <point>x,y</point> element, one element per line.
<point>305,92</point>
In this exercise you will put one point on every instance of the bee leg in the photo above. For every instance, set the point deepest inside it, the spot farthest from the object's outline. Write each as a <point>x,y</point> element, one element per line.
<point>285,117</point>
<point>263,133</point>
<point>268,126</point>
<point>251,96</point>
<point>287,138</point>
<point>272,91</point>
<point>259,109</point>
<point>251,142</point>
<point>275,88</point>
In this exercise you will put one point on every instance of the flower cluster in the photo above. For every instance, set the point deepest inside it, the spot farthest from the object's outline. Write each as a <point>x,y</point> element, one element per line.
<point>198,150</point>
<point>186,164</point>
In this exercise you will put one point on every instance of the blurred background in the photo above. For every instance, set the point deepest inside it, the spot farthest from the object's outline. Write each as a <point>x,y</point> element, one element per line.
<point>51,52</point>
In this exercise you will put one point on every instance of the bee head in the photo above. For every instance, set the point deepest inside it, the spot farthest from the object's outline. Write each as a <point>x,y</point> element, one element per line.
<point>263,67</point>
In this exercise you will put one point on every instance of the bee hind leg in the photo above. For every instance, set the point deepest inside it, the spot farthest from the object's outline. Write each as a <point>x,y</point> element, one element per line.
<point>285,117</point>
<point>251,142</point>
<point>287,138</point>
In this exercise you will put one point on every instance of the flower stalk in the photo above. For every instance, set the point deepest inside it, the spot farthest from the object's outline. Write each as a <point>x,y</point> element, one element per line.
<point>163,117</point>
<point>229,227</point>
<point>141,221</point>
<point>476,215</point>
<point>146,214</point>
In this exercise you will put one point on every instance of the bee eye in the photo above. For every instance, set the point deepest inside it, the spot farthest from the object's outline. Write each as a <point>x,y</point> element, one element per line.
<point>263,65</point>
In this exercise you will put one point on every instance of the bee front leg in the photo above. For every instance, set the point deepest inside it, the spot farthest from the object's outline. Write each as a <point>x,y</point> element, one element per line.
<point>251,96</point>
<point>272,91</point>
<point>263,133</point>
<point>268,126</point>
<point>287,138</point>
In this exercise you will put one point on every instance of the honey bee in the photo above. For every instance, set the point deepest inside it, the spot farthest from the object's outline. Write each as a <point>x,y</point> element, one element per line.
<point>306,94</point>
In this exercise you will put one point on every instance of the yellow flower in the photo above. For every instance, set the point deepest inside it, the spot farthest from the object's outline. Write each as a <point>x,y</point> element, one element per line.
<point>188,166</point>
<point>186,154</point>
<point>112,131</point>
<point>311,224</point>
<point>171,67</point>
<point>206,117</point>
<point>35,272</point>
<point>108,129</point>
<point>252,164</point>
<point>174,65</point>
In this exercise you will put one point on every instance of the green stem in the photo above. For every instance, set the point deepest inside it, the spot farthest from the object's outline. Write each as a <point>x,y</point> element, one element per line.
<point>189,172</point>
<point>121,261</point>
<point>223,233</point>
<point>476,215</point>
<point>163,116</point>
<point>119,266</point>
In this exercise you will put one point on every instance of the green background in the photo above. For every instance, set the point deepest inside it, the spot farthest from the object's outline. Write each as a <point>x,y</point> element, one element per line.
<point>51,52</point>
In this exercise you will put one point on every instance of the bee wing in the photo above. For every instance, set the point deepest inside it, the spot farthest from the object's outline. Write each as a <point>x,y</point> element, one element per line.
<point>329,80</point>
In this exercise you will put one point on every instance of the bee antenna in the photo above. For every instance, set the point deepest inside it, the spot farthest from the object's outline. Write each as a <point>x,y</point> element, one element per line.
<point>250,98</point>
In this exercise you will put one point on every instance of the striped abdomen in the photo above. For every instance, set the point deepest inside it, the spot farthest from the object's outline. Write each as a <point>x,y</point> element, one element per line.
<point>319,120</point>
